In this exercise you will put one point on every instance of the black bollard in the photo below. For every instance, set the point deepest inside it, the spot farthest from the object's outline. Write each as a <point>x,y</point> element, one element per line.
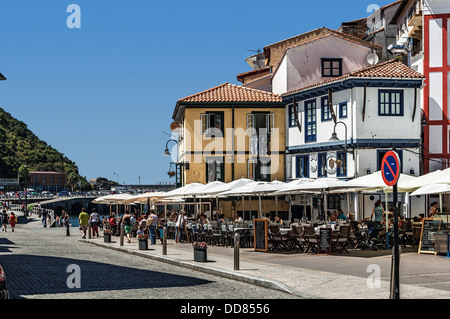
<point>67,230</point>
<point>237,239</point>
<point>121,234</point>
<point>164,247</point>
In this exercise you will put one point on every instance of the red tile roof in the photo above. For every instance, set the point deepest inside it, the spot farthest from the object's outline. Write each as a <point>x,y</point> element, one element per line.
<point>389,69</point>
<point>232,93</point>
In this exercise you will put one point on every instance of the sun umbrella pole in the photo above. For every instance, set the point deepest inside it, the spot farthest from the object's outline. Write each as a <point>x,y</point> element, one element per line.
<point>276,204</point>
<point>260,210</point>
<point>243,205</point>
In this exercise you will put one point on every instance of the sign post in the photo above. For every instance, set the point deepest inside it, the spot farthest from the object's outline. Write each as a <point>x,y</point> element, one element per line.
<point>390,171</point>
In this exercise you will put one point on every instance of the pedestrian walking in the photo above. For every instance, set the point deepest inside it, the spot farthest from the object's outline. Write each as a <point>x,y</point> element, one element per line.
<point>180,225</point>
<point>12,221</point>
<point>126,221</point>
<point>94,219</point>
<point>154,221</point>
<point>83,220</point>
<point>4,220</point>
<point>44,218</point>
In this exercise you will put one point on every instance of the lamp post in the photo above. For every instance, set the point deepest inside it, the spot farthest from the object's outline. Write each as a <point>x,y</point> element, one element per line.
<point>334,135</point>
<point>178,165</point>
<point>166,151</point>
<point>117,178</point>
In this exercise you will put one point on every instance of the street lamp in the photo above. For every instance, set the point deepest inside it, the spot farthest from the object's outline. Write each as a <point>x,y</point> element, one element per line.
<point>118,182</point>
<point>166,151</point>
<point>334,135</point>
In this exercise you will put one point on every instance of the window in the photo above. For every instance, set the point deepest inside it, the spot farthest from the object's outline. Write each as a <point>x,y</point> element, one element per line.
<point>212,124</point>
<point>343,110</point>
<point>259,169</point>
<point>390,102</point>
<point>251,167</point>
<point>331,67</point>
<point>310,121</point>
<point>262,172</point>
<point>291,116</point>
<point>259,125</point>
<point>215,169</point>
<point>322,165</point>
<point>341,164</point>
<point>333,201</point>
<point>301,166</point>
<point>326,112</point>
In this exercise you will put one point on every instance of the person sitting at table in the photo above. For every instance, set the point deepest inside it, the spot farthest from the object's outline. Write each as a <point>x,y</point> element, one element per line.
<point>268,218</point>
<point>341,216</point>
<point>112,223</point>
<point>333,216</point>
<point>433,209</point>
<point>220,220</point>
<point>238,219</point>
<point>278,220</point>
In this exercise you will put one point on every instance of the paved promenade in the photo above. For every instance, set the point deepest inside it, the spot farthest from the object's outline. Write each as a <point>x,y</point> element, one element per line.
<point>423,276</point>
<point>342,276</point>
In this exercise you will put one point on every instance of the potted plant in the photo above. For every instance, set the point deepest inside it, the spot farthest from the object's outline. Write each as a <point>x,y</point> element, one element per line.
<point>143,241</point>
<point>200,248</point>
<point>107,235</point>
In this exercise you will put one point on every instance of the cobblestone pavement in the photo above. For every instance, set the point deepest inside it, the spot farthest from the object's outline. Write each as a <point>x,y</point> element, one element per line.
<point>37,263</point>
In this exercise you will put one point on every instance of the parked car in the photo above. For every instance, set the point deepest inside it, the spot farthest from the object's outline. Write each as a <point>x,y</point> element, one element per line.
<point>3,289</point>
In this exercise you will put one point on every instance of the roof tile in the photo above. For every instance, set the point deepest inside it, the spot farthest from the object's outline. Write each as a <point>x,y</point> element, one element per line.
<point>232,93</point>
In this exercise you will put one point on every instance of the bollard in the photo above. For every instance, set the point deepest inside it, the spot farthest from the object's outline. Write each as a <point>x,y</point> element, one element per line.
<point>67,229</point>
<point>236,250</point>
<point>89,230</point>
<point>121,234</point>
<point>164,247</point>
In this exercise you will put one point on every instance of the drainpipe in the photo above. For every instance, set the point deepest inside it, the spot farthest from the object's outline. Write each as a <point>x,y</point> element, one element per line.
<point>232,141</point>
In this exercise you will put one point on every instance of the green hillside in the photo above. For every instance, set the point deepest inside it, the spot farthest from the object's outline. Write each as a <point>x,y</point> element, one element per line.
<point>19,146</point>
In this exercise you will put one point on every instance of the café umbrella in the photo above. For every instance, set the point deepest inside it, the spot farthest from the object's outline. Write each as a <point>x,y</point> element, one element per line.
<point>255,188</point>
<point>436,189</point>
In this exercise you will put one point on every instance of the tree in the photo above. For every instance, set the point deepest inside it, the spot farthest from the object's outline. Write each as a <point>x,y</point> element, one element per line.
<point>72,180</point>
<point>23,176</point>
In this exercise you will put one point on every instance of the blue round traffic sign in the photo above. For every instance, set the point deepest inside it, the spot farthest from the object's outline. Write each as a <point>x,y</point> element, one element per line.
<point>390,168</point>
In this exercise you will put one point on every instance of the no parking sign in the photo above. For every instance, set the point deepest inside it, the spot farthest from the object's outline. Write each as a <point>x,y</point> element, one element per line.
<point>390,168</point>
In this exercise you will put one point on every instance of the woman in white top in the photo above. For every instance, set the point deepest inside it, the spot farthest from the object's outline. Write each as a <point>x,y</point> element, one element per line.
<point>180,225</point>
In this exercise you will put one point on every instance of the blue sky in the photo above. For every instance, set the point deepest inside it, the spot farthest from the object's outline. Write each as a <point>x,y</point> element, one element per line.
<point>104,94</point>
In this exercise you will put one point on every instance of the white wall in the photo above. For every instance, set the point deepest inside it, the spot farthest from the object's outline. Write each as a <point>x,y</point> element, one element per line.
<point>386,127</point>
<point>435,7</point>
<point>301,66</point>
<point>279,84</point>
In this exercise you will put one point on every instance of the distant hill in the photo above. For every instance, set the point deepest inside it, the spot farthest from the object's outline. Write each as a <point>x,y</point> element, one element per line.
<point>19,145</point>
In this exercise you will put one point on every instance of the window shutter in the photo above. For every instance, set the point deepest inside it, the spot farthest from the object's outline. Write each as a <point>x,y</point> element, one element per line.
<point>250,124</point>
<point>205,120</point>
<point>293,167</point>
<point>270,123</point>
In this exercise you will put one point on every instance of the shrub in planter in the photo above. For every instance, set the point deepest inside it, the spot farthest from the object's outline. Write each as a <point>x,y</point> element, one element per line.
<point>107,236</point>
<point>143,242</point>
<point>200,251</point>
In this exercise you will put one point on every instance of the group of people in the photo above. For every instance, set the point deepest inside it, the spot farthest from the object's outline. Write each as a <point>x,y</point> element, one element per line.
<point>146,224</point>
<point>10,219</point>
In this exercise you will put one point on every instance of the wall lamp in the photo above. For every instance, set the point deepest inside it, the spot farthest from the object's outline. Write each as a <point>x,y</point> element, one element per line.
<point>166,151</point>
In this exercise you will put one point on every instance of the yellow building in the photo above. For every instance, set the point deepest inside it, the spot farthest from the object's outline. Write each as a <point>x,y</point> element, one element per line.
<point>230,132</point>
